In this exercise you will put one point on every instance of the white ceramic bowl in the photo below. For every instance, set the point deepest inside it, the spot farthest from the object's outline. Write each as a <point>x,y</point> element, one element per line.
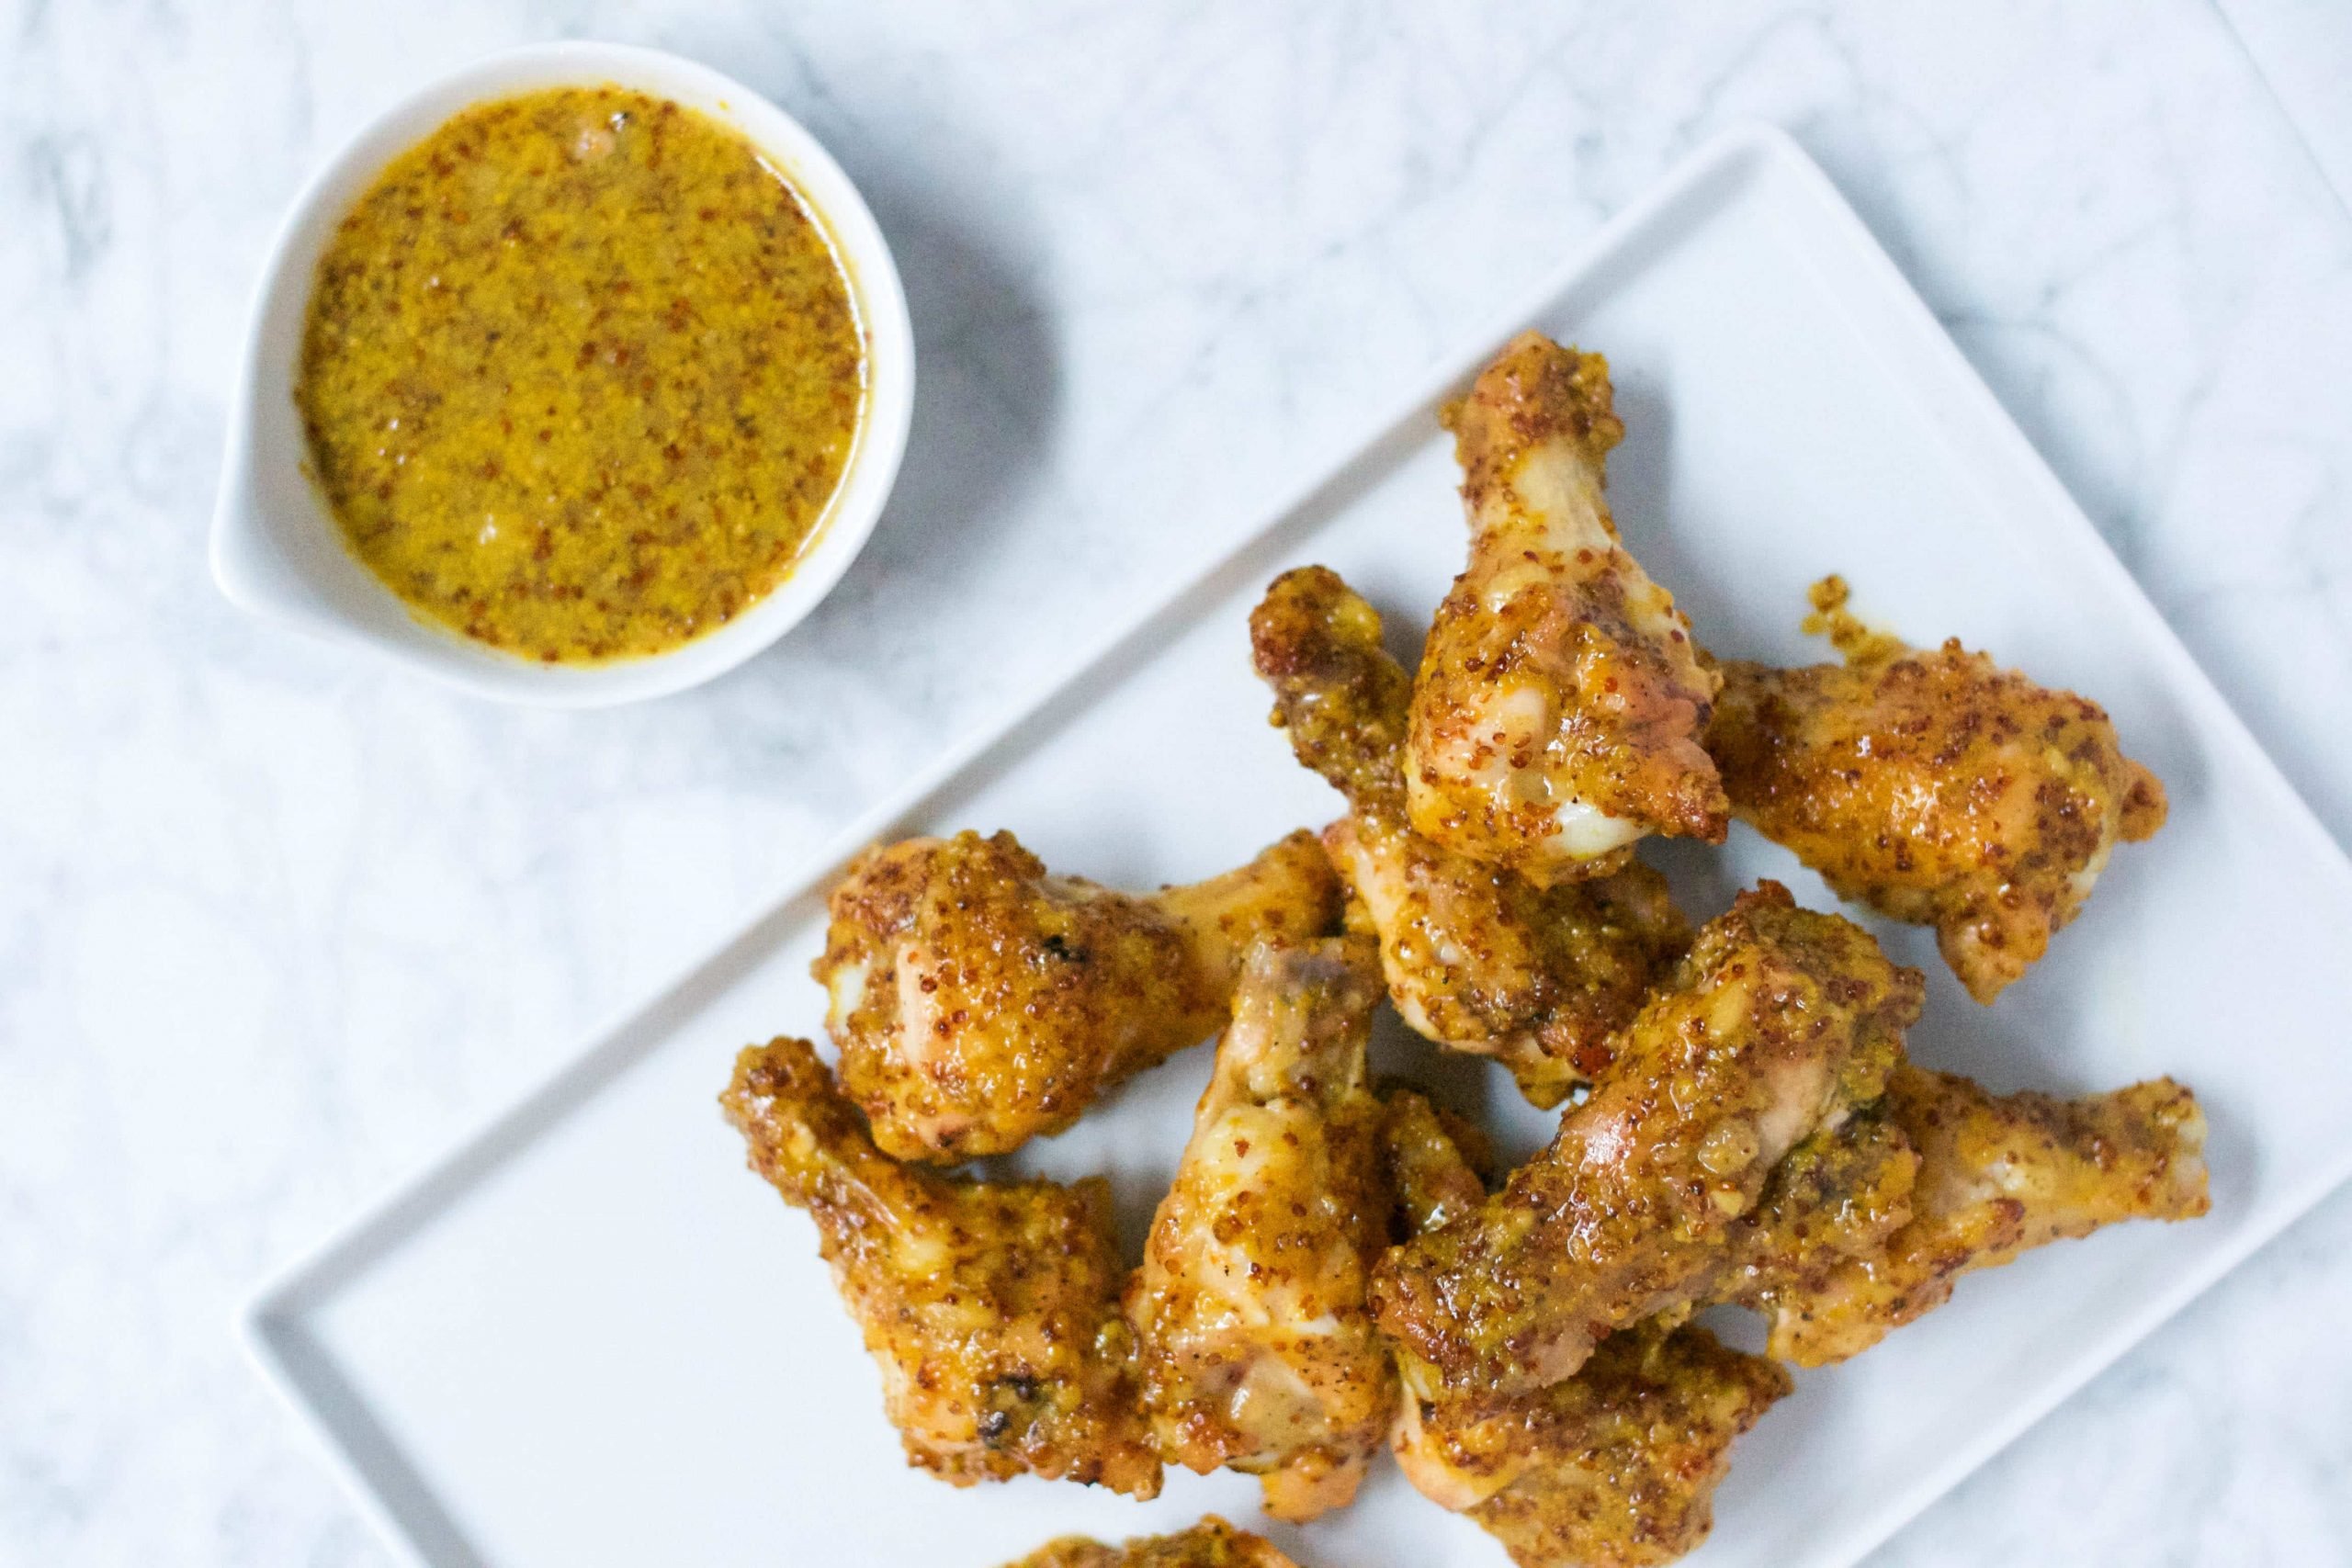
<point>278,551</point>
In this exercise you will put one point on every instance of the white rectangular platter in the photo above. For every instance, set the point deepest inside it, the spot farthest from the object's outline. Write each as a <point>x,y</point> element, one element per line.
<point>590,1337</point>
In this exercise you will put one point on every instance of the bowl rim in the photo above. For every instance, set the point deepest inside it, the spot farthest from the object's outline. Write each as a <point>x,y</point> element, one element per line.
<point>277,549</point>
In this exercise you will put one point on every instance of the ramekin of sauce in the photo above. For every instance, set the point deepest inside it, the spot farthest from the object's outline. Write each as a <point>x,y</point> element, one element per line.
<point>577,379</point>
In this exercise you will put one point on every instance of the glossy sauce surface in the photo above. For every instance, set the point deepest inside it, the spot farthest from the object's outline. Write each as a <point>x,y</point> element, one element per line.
<point>580,375</point>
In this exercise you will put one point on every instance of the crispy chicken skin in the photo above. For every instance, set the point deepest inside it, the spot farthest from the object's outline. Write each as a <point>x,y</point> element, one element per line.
<point>1615,1467</point>
<point>1557,714</point>
<point>1934,786</point>
<point>1865,1226</point>
<point>1996,1175</point>
<point>1477,957</point>
<point>1432,1159</point>
<point>1778,1021</point>
<point>1212,1543</point>
<point>1257,1347</point>
<point>979,1002</point>
<point>993,1308</point>
<point>1836,1197</point>
<point>1343,700</point>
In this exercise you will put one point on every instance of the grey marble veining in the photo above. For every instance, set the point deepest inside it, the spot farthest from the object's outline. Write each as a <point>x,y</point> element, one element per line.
<point>275,922</point>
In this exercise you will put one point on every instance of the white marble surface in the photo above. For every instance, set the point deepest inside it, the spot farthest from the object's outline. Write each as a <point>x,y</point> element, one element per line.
<point>275,923</point>
<point>2303,48</point>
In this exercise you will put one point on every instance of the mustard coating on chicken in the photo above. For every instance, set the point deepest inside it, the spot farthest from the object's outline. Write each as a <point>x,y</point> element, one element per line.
<point>1256,1344</point>
<point>1476,956</point>
<point>1780,1021</point>
<point>1212,1543</point>
<point>1935,787</point>
<point>979,1002</point>
<point>1616,1467</point>
<point>991,1307</point>
<point>1557,713</point>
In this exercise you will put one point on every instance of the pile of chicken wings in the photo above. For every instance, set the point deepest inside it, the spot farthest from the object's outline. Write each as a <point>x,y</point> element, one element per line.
<point>1337,1268</point>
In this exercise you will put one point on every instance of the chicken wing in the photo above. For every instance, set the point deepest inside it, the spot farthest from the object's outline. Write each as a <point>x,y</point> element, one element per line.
<point>1212,1543</point>
<point>991,1307</point>
<point>1557,714</point>
<point>1477,957</point>
<point>1778,1021</point>
<point>1434,1161</point>
<point>1612,1468</point>
<point>1837,1197</point>
<point>1257,1349</point>
<point>979,1002</point>
<point>1936,787</point>
<point>1616,1467</point>
<point>1996,1175</point>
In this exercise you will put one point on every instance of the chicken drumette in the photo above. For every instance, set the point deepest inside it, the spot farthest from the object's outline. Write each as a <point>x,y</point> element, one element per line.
<point>1435,1161</point>
<point>1779,1022</point>
<point>1257,1347</point>
<point>1992,1176</point>
<point>1934,786</point>
<point>1557,714</point>
<point>1616,1467</point>
<point>979,1002</point>
<point>1837,1197</point>
<point>1477,957</point>
<point>1212,1543</point>
<point>993,1308</point>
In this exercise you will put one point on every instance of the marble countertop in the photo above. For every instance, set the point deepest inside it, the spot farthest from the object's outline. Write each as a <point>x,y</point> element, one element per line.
<point>275,922</point>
